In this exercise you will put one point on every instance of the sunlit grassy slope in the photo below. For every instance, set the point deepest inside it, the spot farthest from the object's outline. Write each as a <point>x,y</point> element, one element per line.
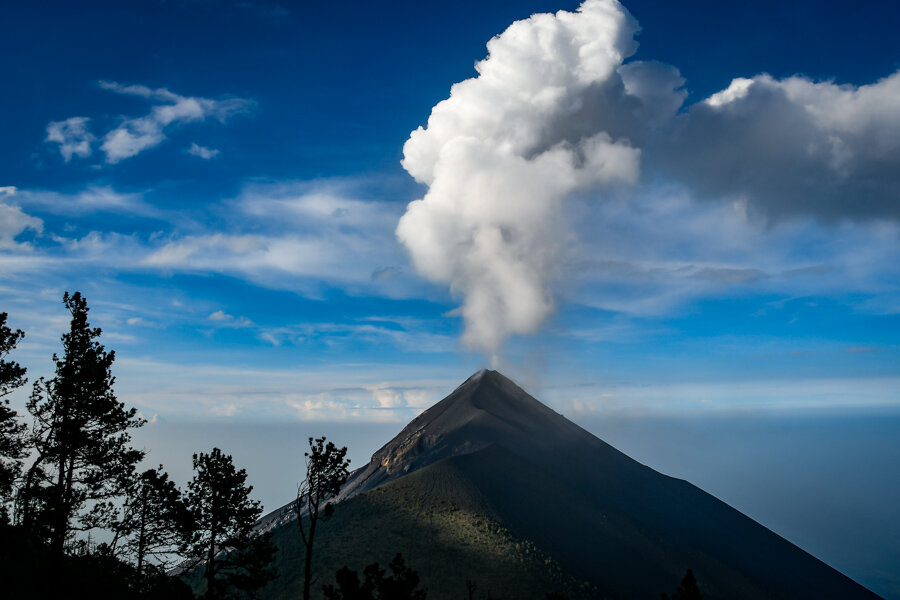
<point>445,526</point>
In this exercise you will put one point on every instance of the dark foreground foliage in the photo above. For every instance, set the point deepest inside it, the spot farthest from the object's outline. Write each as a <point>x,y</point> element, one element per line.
<point>688,590</point>
<point>401,584</point>
<point>24,574</point>
<point>235,560</point>
<point>326,472</point>
<point>82,482</point>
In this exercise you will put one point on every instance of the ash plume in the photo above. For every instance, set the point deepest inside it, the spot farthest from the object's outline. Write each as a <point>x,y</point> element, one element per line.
<point>555,112</point>
<point>549,114</point>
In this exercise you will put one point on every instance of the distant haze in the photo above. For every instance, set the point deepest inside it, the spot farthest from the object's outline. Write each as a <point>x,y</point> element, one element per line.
<point>827,484</point>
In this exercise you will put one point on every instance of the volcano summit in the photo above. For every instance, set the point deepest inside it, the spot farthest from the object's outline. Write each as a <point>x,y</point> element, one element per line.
<point>492,486</point>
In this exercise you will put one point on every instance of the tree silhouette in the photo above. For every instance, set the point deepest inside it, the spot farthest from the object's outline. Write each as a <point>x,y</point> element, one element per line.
<point>326,472</point>
<point>153,524</point>
<point>12,432</point>
<point>401,584</point>
<point>688,589</point>
<point>236,559</point>
<point>80,437</point>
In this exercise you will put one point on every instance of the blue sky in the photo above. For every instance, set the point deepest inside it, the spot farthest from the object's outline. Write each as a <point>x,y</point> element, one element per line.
<point>223,181</point>
<point>703,224</point>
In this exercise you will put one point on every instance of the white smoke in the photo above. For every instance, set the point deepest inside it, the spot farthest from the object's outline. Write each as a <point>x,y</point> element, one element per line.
<point>551,112</point>
<point>555,111</point>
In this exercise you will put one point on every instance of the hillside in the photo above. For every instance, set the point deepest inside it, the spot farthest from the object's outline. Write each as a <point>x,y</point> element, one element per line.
<point>446,529</point>
<point>495,457</point>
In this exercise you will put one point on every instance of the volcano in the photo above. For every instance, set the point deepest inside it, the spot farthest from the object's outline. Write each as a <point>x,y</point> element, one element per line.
<point>490,485</point>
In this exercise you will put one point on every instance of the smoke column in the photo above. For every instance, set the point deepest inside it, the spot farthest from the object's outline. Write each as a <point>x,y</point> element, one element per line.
<point>551,112</point>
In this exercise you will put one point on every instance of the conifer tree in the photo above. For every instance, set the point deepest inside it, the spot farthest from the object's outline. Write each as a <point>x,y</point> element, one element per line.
<point>326,472</point>
<point>84,460</point>
<point>153,524</point>
<point>12,442</point>
<point>236,558</point>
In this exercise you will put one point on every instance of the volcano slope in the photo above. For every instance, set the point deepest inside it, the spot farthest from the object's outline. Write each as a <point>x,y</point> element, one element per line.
<point>492,486</point>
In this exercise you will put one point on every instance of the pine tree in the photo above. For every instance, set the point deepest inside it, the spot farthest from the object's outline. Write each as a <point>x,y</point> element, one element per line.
<point>236,558</point>
<point>80,435</point>
<point>153,523</point>
<point>12,442</point>
<point>326,472</point>
<point>688,590</point>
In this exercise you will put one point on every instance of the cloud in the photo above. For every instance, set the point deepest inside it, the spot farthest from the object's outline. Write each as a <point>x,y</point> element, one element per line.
<point>133,136</point>
<point>202,152</point>
<point>92,199</point>
<point>225,410</point>
<point>73,137</point>
<point>308,207</point>
<point>14,222</point>
<point>552,112</point>
<point>280,261</point>
<point>305,236</point>
<point>382,402</point>
<point>309,238</point>
<point>566,167</point>
<point>774,395</point>
<point>388,397</point>
<point>862,350</point>
<point>792,147</point>
<point>394,333</point>
<point>223,319</point>
<point>656,250</point>
<point>366,392</point>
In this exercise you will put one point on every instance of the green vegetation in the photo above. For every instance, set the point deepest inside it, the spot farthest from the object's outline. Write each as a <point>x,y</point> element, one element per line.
<point>443,527</point>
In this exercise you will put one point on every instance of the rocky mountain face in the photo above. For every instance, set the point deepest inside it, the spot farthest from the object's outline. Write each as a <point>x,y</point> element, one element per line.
<point>604,518</point>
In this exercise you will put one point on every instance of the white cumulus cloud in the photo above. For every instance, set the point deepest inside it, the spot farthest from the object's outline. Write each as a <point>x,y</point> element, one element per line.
<point>732,191</point>
<point>793,147</point>
<point>548,115</point>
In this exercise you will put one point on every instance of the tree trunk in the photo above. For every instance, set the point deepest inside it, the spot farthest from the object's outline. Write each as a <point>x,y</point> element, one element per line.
<point>141,535</point>
<point>307,572</point>
<point>60,517</point>
<point>211,555</point>
<point>60,512</point>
